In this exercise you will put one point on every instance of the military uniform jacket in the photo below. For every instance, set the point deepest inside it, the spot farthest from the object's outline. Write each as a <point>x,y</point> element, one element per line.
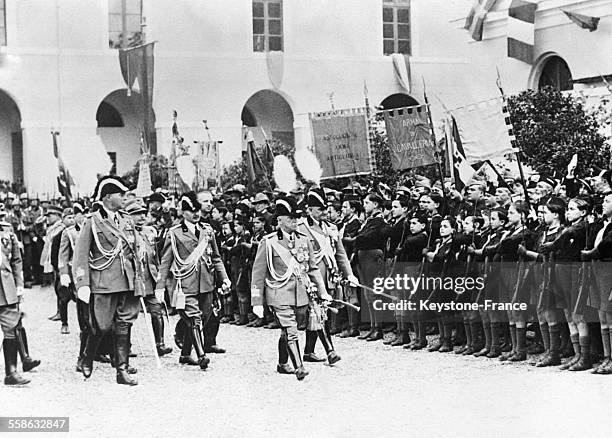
<point>66,250</point>
<point>104,255</point>
<point>330,254</point>
<point>274,255</point>
<point>202,267</point>
<point>11,269</point>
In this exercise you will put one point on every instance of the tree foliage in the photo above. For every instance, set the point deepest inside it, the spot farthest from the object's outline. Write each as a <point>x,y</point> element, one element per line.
<point>159,172</point>
<point>236,173</point>
<point>551,126</point>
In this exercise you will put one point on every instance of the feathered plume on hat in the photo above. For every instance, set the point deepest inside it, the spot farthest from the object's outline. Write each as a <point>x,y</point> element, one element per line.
<point>284,175</point>
<point>308,165</point>
<point>108,185</point>
<point>189,202</point>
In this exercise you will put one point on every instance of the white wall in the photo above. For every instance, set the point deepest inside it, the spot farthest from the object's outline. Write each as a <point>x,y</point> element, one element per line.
<point>205,67</point>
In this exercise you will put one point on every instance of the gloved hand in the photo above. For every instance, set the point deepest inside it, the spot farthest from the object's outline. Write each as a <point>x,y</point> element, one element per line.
<point>65,280</point>
<point>259,311</point>
<point>226,284</point>
<point>326,297</point>
<point>159,294</point>
<point>84,293</point>
<point>353,281</point>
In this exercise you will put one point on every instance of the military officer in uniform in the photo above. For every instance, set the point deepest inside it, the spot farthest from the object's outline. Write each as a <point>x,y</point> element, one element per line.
<point>191,256</point>
<point>11,292</point>
<point>68,240</point>
<point>104,272</point>
<point>331,259</point>
<point>284,273</point>
<point>147,236</point>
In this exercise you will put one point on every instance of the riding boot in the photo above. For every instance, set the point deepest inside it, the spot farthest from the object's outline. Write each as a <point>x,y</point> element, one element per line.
<point>91,349</point>
<point>27,362</point>
<point>283,357</point>
<point>553,357</point>
<point>157,322</point>
<point>309,354</point>
<point>293,348</point>
<point>328,345</point>
<point>122,356</point>
<point>185,357</point>
<point>82,345</point>
<point>198,345</point>
<point>584,363</point>
<point>10,347</point>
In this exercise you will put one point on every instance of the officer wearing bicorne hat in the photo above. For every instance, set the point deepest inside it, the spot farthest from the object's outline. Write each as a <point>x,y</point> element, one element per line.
<point>104,271</point>
<point>284,274</point>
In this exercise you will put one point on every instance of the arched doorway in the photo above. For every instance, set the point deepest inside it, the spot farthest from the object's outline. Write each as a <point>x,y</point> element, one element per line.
<point>11,143</point>
<point>555,73</point>
<point>267,110</point>
<point>120,120</point>
<point>398,100</point>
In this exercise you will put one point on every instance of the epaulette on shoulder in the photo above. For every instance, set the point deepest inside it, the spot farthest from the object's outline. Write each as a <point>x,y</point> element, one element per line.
<point>300,233</point>
<point>269,236</point>
<point>174,227</point>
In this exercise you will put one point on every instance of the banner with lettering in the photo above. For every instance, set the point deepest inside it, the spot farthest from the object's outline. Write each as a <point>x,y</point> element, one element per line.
<point>341,142</point>
<point>207,163</point>
<point>410,138</point>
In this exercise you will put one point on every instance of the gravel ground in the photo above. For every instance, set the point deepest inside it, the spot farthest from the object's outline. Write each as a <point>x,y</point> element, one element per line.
<point>375,390</point>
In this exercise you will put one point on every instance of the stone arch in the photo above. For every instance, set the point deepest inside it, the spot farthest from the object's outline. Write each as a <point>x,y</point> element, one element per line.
<point>551,70</point>
<point>11,140</point>
<point>270,111</point>
<point>120,123</point>
<point>398,100</point>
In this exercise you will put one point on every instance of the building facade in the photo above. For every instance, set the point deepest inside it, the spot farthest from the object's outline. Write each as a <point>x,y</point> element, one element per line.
<point>261,63</point>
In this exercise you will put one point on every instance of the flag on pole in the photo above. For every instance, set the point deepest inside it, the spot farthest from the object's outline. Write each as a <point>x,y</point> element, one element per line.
<point>521,30</point>
<point>268,156</point>
<point>485,130</point>
<point>474,22</point>
<point>64,180</point>
<point>255,168</point>
<point>584,21</point>
<point>462,170</point>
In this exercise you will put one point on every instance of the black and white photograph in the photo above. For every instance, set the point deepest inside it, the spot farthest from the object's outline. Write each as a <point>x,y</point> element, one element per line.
<point>310,218</point>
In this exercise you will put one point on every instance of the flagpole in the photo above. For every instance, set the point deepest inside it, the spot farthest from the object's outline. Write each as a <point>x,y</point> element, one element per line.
<point>435,144</point>
<point>518,146</point>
